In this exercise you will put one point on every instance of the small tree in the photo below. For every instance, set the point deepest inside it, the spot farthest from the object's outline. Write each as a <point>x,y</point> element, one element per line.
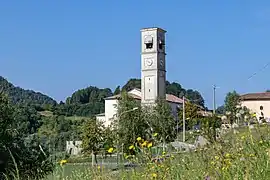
<point>92,137</point>
<point>232,100</point>
<point>191,114</point>
<point>209,127</point>
<point>163,121</point>
<point>129,123</point>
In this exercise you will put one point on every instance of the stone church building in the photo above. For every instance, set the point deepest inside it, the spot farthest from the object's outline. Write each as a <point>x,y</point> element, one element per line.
<point>153,76</point>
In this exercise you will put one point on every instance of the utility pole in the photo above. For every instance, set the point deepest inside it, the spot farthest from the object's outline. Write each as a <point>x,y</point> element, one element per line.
<point>184,122</point>
<point>214,99</point>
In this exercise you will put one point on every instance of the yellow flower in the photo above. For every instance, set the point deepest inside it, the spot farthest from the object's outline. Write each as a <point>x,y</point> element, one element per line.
<point>110,150</point>
<point>154,175</point>
<point>139,138</point>
<point>149,145</point>
<point>212,162</point>
<point>243,137</point>
<point>261,142</point>
<point>131,147</point>
<point>216,157</point>
<point>155,134</point>
<point>144,143</point>
<point>62,162</point>
<point>227,155</point>
<point>163,153</point>
<point>252,155</point>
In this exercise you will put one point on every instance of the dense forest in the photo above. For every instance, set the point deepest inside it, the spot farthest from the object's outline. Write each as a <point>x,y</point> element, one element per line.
<point>85,102</point>
<point>21,96</point>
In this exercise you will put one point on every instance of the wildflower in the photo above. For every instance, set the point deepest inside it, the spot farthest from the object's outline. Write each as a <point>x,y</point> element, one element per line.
<point>227,155</point>
<point>154,175</point>
<point>139,138</point>
<point>110,150</point>
<point>260,141</point>
<point>252,155</point>
<point>62,162</point>
<point>155,134</point>
<point>163,153</point>
<point>242,137</point>
<point>144,144</point>
<point>149,145</point>
<point>216,157</point>
<point>212,162</point>
<point>131,147</point>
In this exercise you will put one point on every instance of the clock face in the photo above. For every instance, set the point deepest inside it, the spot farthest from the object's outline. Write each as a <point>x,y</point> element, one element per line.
<point>149,62</point>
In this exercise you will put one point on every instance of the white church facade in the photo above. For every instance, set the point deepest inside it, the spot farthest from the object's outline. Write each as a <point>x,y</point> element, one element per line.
<point>153,76</point>
<point>111,105</point>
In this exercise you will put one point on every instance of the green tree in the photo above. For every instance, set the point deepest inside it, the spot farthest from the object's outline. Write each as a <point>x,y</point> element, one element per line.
<point>31,159</point>
<point>220,110</point>
<point>191,114</point>
<point>131,84</point>
<point>129,122</point>
<point>162,121</point>
<point>195,97</point>
<point>93,137</point>
<point>117,90</point>
<point>232,99</point>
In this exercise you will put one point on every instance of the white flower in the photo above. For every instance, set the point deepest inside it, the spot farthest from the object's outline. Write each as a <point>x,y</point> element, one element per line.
<point>238,115</point>
<point>242,111</point>
<point>246,117</point>
<point>223,118</point>
<point>228,112</point>
<point>238,106</point>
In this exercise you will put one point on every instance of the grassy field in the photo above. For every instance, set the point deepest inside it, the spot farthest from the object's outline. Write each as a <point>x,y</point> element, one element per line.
<point>244,155</point>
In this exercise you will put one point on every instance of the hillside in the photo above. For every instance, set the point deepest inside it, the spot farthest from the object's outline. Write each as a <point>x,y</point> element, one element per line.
<point>84,102</point>
<point>21,96</point>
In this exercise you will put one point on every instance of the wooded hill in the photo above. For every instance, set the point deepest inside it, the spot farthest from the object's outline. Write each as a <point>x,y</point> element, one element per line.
<point>87,101</point>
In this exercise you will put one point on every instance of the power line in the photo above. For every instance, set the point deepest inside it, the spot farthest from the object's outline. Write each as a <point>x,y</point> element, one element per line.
<point>265,66</point>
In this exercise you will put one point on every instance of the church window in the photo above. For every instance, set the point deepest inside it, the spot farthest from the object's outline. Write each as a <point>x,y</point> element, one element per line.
<point>149,90</point>
<point>160,44</point>
<point>149,45</point>
<point>148,41</point>
<point>261,107</point>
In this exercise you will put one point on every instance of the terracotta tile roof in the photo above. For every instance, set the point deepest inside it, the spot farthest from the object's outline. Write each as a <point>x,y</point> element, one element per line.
<point>169,97</point>
<point>256,96</point>
<point>119,95</point>
<point>174,99</point>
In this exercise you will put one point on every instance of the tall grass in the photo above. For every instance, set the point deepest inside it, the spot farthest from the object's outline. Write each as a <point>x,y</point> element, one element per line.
<point>244,154</point>
<point>241,154</point>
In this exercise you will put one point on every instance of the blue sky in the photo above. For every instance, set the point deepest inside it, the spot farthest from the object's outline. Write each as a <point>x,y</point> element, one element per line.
<point>57,47</point>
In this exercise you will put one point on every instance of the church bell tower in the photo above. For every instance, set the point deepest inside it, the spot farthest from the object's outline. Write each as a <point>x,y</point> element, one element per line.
<point>153,65</point>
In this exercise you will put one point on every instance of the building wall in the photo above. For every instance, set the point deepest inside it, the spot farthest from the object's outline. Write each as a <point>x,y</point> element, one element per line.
<point>101,118</point>
<point>73,147</point>
<point>110,110</point>
<point>254,105</point>
<point>174,107</point>
<point>136,92</point>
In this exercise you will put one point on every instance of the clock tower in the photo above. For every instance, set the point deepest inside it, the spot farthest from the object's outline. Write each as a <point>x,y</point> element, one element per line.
<point>153,65</point>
